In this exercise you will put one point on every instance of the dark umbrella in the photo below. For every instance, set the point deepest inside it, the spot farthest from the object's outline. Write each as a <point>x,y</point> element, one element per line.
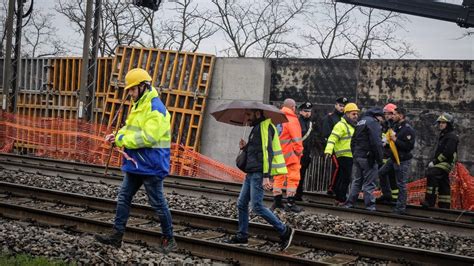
<point>234,112</point>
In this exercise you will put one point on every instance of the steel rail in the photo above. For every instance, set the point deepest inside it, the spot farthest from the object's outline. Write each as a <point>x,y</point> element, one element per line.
<point>438,219</point>
<point>338,244</point>
<point>198,247</point>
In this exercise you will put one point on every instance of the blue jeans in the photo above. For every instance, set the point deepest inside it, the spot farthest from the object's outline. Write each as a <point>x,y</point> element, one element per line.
<point>363,177</point>
<point>401,175</point>
<point>154,189</point>
<point>252,191</point>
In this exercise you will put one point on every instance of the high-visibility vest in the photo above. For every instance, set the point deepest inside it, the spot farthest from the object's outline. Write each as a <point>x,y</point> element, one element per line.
<point>290,138</point>
<point>340,139</point>
<point>278,162</point>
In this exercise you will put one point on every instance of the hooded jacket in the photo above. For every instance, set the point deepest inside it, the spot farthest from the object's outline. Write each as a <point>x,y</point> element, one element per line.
<point>366,141</point>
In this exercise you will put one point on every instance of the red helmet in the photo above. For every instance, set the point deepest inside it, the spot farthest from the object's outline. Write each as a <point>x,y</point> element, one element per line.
<point>389,108</point>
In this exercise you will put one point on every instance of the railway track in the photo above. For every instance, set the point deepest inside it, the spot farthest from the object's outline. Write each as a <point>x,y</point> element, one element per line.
<point>202,235</point>
<point>452,221</point>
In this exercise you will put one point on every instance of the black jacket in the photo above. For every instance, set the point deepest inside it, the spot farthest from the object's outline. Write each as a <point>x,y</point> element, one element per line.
<point>447,146</point>
<point>366,141</point>
<point>254,149</point>
<point>405,140</point>
<point>329,122</point>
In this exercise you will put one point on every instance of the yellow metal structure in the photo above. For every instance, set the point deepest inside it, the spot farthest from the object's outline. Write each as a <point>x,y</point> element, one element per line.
<point>182,79</point>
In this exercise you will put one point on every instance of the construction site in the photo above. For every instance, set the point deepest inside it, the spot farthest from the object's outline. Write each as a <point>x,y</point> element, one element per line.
<point>60,177</point>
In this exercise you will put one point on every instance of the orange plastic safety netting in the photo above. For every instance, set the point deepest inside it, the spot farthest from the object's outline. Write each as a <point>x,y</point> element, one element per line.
<point>462,189</point>
<point>76,140</point>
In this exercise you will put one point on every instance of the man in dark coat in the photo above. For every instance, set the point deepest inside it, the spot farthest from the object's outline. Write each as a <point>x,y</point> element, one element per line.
<point>328,123</point>
<point>367,153</point>
<point>404,139</point>
<point>443,162</point>
<point>306,133</point>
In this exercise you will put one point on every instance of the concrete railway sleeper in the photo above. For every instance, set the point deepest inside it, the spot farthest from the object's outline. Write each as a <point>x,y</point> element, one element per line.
<point>437,219</point>
<point>197,233</point>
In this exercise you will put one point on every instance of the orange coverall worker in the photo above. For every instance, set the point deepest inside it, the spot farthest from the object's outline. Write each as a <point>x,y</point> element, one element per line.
<point>292,148</point>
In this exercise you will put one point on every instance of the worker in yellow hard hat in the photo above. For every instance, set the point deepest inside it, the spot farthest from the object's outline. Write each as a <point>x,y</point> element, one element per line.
<point>339,142</point>
<point>146,140</point>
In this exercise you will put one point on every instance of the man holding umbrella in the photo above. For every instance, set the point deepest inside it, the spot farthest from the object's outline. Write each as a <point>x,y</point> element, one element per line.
<point>264,159</point>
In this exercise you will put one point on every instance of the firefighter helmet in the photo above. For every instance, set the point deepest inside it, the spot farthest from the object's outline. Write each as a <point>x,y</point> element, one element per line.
<point>445,117</point>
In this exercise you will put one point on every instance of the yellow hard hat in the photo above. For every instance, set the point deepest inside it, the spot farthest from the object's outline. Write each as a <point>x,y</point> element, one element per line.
<point>136,76</point>
<point>351,107</point>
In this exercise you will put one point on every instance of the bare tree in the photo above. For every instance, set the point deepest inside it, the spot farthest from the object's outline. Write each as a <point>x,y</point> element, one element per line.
<point>40,36</point>
<point>121,22</point>
<point>184,29</point>
<point>327,25</point>
<point>3,19</point>
<point>339,30</point>
<point>376,35</point>
<point>261,28</point>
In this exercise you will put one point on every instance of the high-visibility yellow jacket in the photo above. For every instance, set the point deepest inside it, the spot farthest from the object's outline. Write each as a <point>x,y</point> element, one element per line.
<point>278,166</point>
<point>340,139</point>
<point>146,136</point>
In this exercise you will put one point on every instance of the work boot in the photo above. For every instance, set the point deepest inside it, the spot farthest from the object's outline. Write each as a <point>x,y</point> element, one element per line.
<point>383,200</point>
<point>237,240</point>
<point>277,204</point>
<point>291,206</point>
<point>115,239</point>
<point>286,238</point>
<point>168,245</point>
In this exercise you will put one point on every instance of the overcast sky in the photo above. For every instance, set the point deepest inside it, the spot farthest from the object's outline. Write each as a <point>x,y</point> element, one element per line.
<point>432,39</point>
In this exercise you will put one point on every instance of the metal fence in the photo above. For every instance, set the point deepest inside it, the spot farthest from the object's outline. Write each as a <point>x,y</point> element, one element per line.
<point>318,174</point>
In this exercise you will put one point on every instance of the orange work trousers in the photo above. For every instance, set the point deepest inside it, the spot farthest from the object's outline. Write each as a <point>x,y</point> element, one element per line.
<point>289,181</point>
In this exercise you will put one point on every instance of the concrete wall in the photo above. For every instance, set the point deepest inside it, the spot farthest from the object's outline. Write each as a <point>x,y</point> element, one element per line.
<point>425,87</point>
<point>233,79</point>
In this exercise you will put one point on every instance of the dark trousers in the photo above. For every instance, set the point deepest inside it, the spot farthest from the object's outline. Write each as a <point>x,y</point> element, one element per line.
<point>305,162</point>
<point>343,178</point>
<point>388,181</point>
<point>437,187</point>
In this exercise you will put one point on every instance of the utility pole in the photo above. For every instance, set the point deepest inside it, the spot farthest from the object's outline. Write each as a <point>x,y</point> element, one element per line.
<point>89,61</point>
<point>7,61</point>
<point>16,63</point>
<point>83,97</point>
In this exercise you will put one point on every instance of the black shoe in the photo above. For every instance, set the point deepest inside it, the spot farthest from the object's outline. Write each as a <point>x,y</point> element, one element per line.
<point>292,208</point>
<point>399,212</point>
<point>298,198</point>
<point>277,204</point>
<point>237,240</point>
<point>425,205</point>
<point>329,192</point>
<point>384,200</point>
<point>114,239</point>
<point>168,245</point>
<point>287,238</point>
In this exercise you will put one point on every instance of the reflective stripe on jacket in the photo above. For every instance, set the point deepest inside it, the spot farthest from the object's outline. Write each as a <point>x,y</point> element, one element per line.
<point>340,139</point>
<point>278,166</point>
<point>146,136</point>
<point>290,138</point>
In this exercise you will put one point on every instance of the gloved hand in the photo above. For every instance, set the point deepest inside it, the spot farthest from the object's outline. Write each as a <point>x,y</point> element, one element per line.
<point>431,164</point>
